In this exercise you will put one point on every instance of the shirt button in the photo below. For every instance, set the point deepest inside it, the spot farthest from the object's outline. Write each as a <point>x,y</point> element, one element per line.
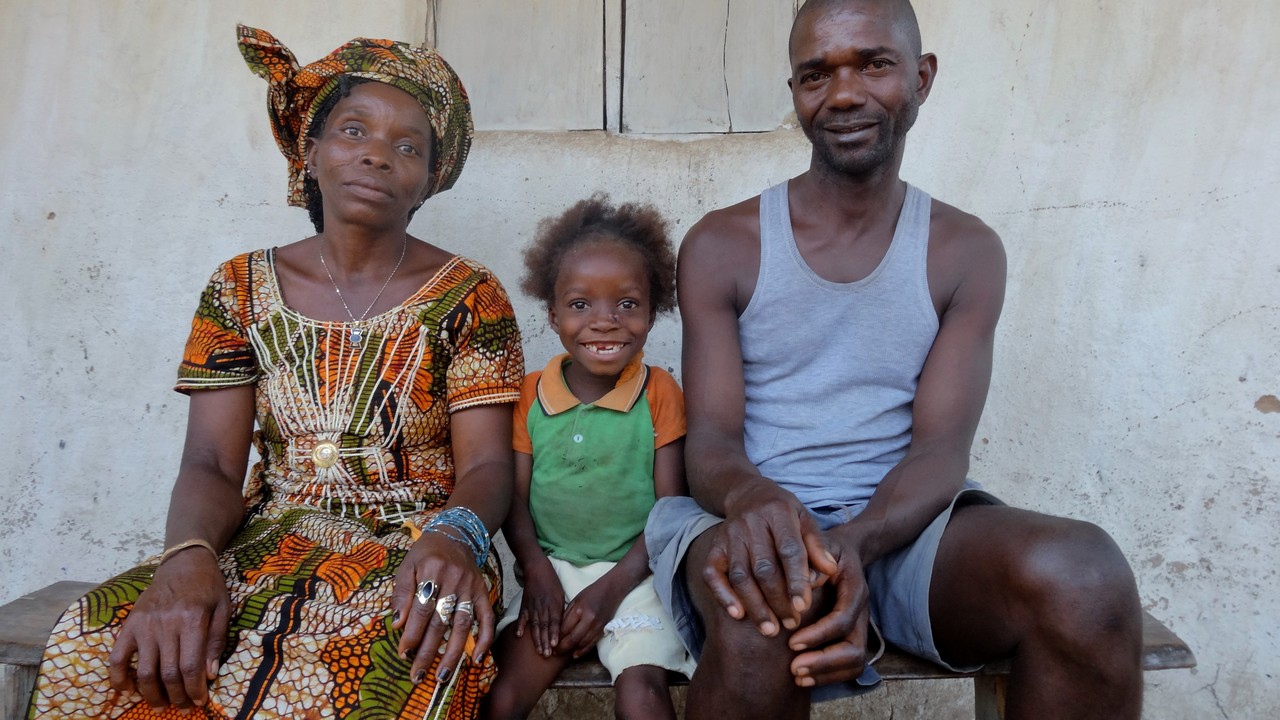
<point>577,438</point>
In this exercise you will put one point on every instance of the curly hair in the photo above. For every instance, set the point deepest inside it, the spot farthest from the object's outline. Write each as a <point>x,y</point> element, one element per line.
<point>635,225</point>
<point>311,188</point>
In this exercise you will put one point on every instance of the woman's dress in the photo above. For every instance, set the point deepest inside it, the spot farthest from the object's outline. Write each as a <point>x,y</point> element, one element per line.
<point>353,440</point>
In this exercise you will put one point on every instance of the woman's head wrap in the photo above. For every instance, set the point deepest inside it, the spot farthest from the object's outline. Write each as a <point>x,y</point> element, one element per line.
<point>295,93</point>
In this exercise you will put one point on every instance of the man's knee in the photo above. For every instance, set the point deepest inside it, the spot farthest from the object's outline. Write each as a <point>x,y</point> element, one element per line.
<point>1075,581</point>
<point>726,636</point>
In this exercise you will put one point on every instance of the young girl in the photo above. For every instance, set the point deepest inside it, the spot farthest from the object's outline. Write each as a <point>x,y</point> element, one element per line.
<point>598,437</point>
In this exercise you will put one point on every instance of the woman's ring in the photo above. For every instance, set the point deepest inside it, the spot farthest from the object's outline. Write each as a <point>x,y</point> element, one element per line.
<point>466,607</point>
<point>445,607</point>
<point>426,590</point>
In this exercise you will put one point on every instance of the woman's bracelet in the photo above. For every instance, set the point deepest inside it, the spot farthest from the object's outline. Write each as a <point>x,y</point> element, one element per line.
<point>468,527</point>
<point>194,542</point>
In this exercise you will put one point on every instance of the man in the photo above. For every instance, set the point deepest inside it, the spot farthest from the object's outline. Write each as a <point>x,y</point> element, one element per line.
<point>838,336</point>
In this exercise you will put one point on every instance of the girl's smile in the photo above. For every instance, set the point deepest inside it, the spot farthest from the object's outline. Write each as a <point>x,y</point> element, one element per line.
<point>602,314</point>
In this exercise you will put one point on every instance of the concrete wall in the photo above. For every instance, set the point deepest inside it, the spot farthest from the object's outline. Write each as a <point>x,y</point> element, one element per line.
<point>1126,153</point>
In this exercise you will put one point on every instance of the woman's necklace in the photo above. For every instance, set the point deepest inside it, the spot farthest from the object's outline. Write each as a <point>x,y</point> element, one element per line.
<point>357,332</point>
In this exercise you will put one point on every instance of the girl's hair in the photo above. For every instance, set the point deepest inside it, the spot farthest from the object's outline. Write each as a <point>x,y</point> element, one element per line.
<point>311,188</point>
<point>637,226</point>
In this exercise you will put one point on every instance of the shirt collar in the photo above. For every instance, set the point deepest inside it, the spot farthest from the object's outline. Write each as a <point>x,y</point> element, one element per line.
<point>555,396</point>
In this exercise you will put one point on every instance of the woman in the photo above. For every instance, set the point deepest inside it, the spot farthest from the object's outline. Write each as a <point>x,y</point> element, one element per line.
<point>305,593</point>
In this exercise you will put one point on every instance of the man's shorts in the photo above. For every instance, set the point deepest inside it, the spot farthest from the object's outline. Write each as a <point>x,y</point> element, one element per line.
<point>640,633</point>
<point>898,582</point>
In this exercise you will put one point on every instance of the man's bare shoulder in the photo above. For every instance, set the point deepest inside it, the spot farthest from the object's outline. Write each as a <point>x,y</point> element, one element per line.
<point>964,252</point>
<point>949,224</point>
<point>732,225</point>
<point>958,236</point>
<point>720,256</point>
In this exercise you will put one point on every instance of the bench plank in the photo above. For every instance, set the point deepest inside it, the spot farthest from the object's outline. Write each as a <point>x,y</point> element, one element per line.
<point>25,625</point>
<point>1161,650</point>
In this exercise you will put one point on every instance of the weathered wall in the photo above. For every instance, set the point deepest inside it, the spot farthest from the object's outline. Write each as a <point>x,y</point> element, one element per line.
<point>1125,152</point>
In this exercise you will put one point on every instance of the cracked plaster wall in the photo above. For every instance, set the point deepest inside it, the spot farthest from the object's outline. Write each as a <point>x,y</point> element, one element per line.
<point>1129,169</point>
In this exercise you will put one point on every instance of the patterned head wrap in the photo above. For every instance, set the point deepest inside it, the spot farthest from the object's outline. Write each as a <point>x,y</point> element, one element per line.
<point>295,93</point>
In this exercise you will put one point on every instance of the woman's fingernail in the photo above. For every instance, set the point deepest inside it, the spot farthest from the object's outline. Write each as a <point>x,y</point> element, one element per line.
<point>443,676</point>
<point>419,676</point>
<point>790,623</point>
<point>768,629</point>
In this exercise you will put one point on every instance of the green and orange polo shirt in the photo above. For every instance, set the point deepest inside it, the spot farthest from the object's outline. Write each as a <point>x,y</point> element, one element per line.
<point>592,483</point>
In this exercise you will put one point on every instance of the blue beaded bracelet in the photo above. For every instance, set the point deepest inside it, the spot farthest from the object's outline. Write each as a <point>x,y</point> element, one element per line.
<point>470,531</point>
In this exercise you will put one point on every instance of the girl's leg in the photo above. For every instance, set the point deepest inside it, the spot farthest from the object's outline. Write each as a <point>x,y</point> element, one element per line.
<point>523,675</point>
<point>641,692</point>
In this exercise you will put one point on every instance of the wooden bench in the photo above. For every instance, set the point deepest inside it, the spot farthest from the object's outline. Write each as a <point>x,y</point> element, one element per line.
<point>26,622</point>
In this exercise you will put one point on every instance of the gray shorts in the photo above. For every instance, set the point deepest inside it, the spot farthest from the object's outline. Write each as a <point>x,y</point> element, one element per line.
<point>898,582</point>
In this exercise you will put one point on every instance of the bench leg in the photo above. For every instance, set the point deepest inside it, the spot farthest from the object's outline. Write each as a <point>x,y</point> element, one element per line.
<point>16,682</point>
<point>988,696</point>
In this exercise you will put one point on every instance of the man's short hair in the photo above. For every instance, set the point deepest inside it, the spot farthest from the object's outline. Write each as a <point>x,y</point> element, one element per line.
<point>906,19</point>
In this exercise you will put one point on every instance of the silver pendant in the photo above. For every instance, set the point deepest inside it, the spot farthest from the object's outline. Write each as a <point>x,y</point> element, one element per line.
<point>357,335</point>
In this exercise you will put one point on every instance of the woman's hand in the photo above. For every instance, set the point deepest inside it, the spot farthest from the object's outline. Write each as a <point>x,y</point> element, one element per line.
<point>177,629</point>
<point>451,567</point>
<point>541,606</point>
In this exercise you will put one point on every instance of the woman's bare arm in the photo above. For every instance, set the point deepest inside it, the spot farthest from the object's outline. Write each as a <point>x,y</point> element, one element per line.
<point>177,628</point>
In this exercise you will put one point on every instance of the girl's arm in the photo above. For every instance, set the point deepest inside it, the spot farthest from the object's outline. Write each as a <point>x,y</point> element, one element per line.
<point>543,598</point>
<point>595,606</point>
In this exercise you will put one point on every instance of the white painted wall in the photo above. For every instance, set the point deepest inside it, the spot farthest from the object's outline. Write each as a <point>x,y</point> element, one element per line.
<point>1127,153</point>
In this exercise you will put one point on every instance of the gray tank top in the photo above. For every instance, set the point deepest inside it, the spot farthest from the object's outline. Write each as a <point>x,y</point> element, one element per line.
<point>831,368</point>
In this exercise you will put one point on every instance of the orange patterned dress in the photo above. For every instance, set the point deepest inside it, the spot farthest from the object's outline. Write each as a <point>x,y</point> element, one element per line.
<point>353,440</point>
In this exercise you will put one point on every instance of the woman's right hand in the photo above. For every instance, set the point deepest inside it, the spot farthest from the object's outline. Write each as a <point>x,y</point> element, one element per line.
<point>177,629</point>
<point>541,606</point>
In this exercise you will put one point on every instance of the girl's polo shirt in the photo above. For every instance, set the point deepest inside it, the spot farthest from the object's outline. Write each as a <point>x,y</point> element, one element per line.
<point>592,484</point>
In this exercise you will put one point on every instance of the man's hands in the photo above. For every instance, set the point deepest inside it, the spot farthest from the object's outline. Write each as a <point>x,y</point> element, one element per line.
<point>767,557</point>
<point>769,562</point>
<point>833,648</point>
<point>177,629</point>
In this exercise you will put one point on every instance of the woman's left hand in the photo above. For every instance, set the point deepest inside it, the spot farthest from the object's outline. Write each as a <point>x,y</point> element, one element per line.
<point>451,567</point>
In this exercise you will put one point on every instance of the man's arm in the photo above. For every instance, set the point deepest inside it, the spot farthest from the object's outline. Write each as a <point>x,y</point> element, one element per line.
<point>760,566</point>
<point>949,399</point>
<point>948,404</point>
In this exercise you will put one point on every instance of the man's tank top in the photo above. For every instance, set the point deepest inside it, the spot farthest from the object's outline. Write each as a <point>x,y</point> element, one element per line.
<point>831,368</point>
